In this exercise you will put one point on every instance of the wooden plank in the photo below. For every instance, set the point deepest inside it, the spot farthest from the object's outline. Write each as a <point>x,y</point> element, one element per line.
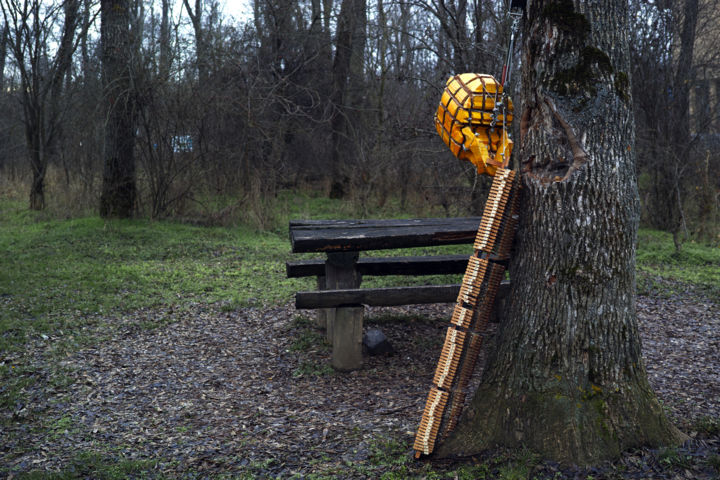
<point>436,265</point>
<point>305,268</point>
<point>363,223</point>
<point>355,235</point>
<point>347,339</point>
<point>384,296</point>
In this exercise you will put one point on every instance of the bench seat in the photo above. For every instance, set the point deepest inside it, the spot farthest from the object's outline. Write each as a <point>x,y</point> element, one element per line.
<point>384,297</point>
<point>361,235</point>
<point>377,266</point>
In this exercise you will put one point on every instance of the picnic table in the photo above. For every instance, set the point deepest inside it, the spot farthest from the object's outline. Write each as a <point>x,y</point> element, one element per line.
<point>340,300</point>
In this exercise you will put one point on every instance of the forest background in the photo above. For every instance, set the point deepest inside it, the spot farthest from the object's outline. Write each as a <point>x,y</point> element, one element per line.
<point>332,99</point>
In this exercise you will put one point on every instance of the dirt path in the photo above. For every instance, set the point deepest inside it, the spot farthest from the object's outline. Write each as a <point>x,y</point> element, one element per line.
<point>250,392</point>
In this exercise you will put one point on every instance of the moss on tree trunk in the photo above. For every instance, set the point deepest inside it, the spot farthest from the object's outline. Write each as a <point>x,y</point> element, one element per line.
<point>566,376</point>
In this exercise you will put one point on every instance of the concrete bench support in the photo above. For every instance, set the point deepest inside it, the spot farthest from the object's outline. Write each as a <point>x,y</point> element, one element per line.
<point>344,324</point>
<point>322,313</point>
<point>347,338</point>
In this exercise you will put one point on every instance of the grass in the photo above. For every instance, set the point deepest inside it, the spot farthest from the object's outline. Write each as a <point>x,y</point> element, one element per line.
<point>98,466</point>
<point>663,269</point>
<point>307,337</point>
<point>59,274</point>
<point>55,272</point>
<point>707,424</point>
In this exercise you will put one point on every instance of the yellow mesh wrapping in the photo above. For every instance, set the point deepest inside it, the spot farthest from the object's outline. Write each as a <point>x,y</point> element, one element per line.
<point>464,118</point>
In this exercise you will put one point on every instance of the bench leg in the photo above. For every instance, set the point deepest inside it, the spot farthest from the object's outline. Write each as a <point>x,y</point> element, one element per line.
<point>347,338</point>
<point>340,272</point>
<point>321,320</point>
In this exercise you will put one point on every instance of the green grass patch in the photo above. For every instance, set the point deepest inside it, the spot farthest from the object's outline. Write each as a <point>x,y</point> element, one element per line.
<point>308,339</point>
<point>98,466</point>
<point>308,368</point>
<point>55,271</point>
<point>663,269</point>
<point>708,425</point>
<point>714,462</point>
<point>671,457</point>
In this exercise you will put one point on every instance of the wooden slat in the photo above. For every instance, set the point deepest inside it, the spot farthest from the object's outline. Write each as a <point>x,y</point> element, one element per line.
<point>363,223</point>
<point>357,235</point>
<point>384,296</point>
<point>437,265</point>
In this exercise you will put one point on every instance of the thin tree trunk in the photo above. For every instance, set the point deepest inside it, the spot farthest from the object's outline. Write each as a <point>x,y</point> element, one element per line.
<point>404,54</point>
<point>356,82</point>
<point>3,55</point>
<point>118,191</point>
<point>327,13</point>
<point>54,128</point>
<point>165,41</point>
<point>680,127</point>
<point>684,75</point>
<point>200,43</point>
<point>478,25</point>
<point>38,165</point>
<point>566,377</point>
<point>84,51</point>
<point>346,33</point>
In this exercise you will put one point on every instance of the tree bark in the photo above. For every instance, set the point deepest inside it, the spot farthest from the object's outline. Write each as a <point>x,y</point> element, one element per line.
<point>164,70</point>
<point>566,377</point>
<point>3,55</point>
<point>119,191</point>
<point>684,77</point>
<point>347,65</point>
<point>84,51</point>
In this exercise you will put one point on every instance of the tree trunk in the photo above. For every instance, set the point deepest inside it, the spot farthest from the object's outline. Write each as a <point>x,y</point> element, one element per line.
<point>357,88</point>
<point>54,129</point>
<point>684,77</point>
<point>38,165</point>
<point>566,377</point>
<point>119,191</point>
<point>3,55</point>
<point>345,49</point>
<point>164,70</point>
<point>201,53</point>
<point>84,51</point>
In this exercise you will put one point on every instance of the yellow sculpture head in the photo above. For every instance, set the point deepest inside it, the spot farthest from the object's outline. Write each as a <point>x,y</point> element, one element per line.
<point>472,119</point>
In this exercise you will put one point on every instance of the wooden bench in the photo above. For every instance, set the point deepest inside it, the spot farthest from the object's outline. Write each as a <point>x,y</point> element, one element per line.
<point>339,299</point>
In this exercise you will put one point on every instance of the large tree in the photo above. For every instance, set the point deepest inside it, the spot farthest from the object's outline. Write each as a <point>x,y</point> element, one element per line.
<point>566,376</point>
<point>119,190</point>
<point>347,73</point>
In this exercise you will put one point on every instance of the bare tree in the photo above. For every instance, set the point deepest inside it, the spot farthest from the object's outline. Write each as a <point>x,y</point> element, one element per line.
<point>31,26</point>
<point>3,55</point>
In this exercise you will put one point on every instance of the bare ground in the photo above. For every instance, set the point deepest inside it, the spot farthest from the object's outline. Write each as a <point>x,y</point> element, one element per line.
<point>248,392</point>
